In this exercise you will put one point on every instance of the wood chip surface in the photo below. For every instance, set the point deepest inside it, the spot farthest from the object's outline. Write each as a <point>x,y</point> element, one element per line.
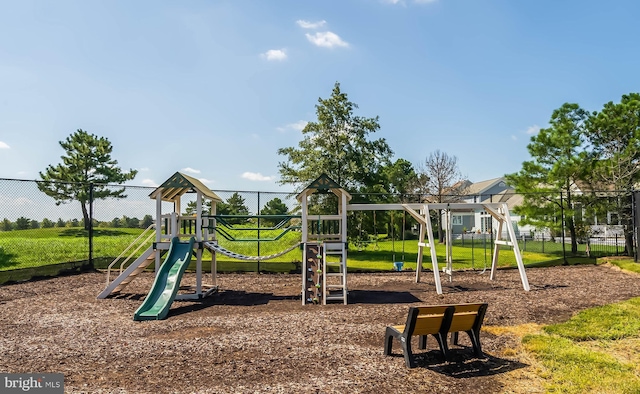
<point>254,336</point>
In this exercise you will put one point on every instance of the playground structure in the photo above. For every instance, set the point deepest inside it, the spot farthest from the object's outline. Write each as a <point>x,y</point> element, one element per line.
<point>323,239</point>
<point>324,236</point>
<point>170,192</point>
<point>421,212</point>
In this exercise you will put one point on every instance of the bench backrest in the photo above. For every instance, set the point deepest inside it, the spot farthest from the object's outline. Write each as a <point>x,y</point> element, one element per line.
<point>425,320</point>
<point>467,316</point>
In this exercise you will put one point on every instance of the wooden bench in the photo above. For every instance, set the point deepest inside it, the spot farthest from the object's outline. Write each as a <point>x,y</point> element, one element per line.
<point>438,321</point>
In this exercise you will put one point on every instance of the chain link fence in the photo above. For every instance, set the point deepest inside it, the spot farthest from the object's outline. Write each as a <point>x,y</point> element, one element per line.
<point>38,234</point>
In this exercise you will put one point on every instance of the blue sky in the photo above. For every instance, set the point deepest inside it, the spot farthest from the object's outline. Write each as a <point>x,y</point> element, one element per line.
<point>214,88</point>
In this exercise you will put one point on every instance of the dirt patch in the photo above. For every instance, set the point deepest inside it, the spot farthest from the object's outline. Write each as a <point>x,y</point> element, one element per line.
<point>255,336</point>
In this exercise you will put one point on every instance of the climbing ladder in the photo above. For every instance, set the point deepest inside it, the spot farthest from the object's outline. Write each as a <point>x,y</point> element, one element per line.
<point>324,273</point>
<point>334,285</point>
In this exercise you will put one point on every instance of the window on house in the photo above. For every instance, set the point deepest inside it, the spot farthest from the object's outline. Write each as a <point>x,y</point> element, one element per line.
<point>456,220</point>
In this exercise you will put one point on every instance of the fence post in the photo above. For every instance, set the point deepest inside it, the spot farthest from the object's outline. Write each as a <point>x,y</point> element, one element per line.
<point>258,212</point>
<point>472,254</point>
<point>91,224</point>
<point>564,249</point>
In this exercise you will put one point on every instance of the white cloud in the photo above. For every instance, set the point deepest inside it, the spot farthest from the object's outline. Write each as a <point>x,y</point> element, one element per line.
<point>424,1</point>
<point>143,169</point>
<point>256,176</point>
<point>513,137</point>
<point>533,129</point>
<point>326,39</point>
<point>297,126</point>
<point>190,170</point>
<point>393,1</point>
<point>4,145</point>
<point>149,182</point>
<point>15,202</point>
<point>275,55</point>
<point>310,25</point>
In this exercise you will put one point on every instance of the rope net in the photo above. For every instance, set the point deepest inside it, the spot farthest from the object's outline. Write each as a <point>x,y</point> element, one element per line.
<point>219,249</point>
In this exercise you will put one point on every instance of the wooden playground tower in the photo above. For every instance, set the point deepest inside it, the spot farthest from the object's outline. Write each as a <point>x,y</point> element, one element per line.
<point>170,193</point>
<point>324,239</point>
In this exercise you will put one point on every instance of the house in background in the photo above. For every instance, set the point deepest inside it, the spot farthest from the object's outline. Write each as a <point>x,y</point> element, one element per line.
<point>478,220</point>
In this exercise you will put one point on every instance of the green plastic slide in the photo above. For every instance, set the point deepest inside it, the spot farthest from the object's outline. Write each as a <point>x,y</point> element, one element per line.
<point>165,286</point>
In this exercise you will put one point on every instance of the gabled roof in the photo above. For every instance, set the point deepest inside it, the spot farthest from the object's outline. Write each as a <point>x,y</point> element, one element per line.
<point>480,187</point>
<point>179,184</point>
<point>323,184</point>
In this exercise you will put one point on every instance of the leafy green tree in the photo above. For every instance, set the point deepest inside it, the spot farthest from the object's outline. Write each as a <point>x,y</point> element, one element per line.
<point>87,160</point>
<point>235,205</point>
<point>191,207</point>
<point>614,133</point>
<point>60,223</point>
<point>6,225</point>
<point>22,223</point>
<point>116,223</point>
<point>34,224</point>
<point>274,207</point>
<point>401,179</point>
<point>147,221</point>
<point>336,144</point>
<point>46,223</point>
<point>133,222</point>
<point>558,161</point>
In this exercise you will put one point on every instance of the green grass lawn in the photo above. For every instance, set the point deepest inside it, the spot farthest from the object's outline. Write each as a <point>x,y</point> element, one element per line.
<point>596,351</point>
<point>39,247</point>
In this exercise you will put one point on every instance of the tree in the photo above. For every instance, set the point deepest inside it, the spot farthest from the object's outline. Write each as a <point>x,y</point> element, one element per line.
<point>548,180</point>
<point>336,144</point>
<point>147,221</point>
<point>46,223</point>
<point>6,225</point>
<point>191,207</point>
<point>440,179</point>
<point>614,133</point>
<point>22,223</point>
<point>400,179</point>
<point>87,161</point>
<point>60,223</point>
<point>133,222</point>
<point>233,206</point>
<point>274,207</point>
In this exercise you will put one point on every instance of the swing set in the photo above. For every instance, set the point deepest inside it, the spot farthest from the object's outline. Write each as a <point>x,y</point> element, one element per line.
<point>422,214</point>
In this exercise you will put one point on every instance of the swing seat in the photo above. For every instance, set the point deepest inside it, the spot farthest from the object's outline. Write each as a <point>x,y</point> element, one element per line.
<point>398,265</point>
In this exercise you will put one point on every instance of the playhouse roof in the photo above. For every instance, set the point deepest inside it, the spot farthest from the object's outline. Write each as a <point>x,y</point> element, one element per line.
<point>180,184</point>
<point>323,184</point>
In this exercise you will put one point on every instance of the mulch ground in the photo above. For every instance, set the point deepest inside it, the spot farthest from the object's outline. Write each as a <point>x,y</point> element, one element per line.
<point>254,336</point>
